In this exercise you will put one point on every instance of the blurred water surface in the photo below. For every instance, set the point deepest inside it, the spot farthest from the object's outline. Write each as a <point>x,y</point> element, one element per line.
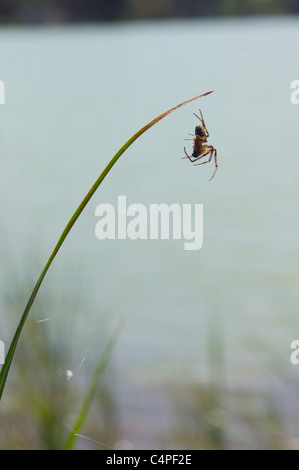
<point>74,95</point>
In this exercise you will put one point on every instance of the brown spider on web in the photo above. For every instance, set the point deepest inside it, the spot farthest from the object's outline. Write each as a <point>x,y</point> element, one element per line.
<point>199,149</point>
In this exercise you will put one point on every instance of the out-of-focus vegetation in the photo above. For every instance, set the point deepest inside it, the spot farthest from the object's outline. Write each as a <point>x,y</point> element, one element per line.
<point>54,11</point>
<point>52,372</point>
<point>51,375</point>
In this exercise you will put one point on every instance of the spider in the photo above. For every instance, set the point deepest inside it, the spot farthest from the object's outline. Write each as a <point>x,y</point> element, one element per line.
<point>199,149</point>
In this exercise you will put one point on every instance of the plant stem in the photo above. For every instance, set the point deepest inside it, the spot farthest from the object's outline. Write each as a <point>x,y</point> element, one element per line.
<point>10,354</point>
<point>92,389</point>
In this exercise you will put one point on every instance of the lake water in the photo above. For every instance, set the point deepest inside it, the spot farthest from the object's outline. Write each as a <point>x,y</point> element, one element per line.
<point>74,95</point>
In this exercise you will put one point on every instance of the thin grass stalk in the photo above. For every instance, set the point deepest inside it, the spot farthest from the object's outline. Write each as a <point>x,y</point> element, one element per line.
<point>74,434</point>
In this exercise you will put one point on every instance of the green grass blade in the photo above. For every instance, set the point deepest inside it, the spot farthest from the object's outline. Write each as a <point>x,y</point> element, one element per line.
<point>10,354</point>
<point>70,443</point>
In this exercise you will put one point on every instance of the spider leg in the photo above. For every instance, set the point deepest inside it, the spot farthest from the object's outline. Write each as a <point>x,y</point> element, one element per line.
<point>187,156</point>
<point>201,119</point>
<point>190,157</point>
<point>203,123</point>
<point>198,137</point>
<point>205,152</point>
<point>216,163</point>
<point>209,152</point>
<point>213,153</point>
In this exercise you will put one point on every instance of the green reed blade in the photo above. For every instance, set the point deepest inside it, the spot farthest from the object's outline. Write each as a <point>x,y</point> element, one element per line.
<point>92,389</point>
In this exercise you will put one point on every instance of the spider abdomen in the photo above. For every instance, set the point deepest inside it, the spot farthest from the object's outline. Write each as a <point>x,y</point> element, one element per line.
<point>197,148</point>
